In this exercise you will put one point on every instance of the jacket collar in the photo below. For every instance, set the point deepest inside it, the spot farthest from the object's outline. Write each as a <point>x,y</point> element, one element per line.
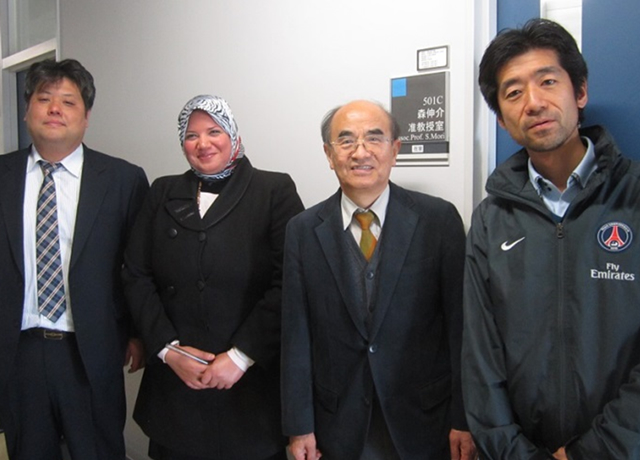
<point>511,178</point>
<point>182,198</point>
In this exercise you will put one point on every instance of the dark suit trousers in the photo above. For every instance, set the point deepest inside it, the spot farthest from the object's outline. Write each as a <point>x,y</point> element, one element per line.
<point>378,444</point>
<point>158,452</point>
<point>50,397</point>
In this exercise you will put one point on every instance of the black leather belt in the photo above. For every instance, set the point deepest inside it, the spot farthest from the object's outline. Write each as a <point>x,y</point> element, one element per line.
<point>48,334</point>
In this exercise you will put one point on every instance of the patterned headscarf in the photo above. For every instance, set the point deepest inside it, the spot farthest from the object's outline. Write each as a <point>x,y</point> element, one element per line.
<point>220,111</point>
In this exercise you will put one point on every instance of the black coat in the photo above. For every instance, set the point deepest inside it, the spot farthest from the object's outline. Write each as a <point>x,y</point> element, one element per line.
<point>410,353</point>
<point>212,283</point>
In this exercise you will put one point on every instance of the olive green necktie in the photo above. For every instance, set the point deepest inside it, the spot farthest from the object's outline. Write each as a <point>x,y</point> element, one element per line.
<point>367,240</point>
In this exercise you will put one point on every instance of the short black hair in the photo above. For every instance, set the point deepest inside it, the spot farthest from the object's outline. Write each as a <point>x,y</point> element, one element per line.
<point>49,72</point>
<point>535,34</point>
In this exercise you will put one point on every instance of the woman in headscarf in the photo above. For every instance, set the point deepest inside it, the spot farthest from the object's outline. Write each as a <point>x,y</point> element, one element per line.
<point>202,277</point>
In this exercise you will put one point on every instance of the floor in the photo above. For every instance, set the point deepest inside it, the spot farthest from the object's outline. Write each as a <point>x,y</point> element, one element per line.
<point>3,449</point>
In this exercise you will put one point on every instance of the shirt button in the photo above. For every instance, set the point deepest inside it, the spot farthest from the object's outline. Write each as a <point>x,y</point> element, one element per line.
<point>172,232</point>
<point>373,348</point>
<point>202,236</point>
<point>370,275</point>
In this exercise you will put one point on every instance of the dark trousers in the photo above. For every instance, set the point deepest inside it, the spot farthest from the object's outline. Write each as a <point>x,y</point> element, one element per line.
<point>49,398</point>
<point>158,452</point>
<point>378,445</point>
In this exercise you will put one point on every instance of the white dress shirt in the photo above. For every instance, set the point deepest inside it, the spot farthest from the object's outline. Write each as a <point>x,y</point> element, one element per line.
<point>67,182</point>
<point>379,208</point>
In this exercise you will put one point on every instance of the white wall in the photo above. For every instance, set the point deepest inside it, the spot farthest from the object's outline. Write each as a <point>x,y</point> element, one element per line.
<point>281,64</point>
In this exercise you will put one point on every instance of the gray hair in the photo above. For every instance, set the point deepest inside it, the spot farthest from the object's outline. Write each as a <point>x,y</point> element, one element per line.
<point>325,127</point>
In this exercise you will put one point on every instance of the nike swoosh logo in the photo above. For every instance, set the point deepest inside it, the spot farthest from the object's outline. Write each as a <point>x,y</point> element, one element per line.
<point>506,246</point>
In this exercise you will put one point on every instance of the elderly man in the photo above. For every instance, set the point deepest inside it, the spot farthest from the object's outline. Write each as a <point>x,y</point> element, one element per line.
<point>372,309</point>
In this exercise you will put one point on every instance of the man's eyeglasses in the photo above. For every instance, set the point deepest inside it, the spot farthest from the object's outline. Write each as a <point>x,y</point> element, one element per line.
<point>372,143</point>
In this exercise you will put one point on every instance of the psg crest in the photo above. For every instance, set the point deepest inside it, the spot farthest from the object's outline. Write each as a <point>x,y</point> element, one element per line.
<point>615,236</point>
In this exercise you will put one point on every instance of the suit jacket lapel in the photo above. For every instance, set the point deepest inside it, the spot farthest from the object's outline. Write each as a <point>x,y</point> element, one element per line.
<point>181,203</point>
<point>333,244</point>
<point>397,234</point>
<point>12,183</point>
<point>182,206</point>
<point>231,195</point>
<point>93,188</point>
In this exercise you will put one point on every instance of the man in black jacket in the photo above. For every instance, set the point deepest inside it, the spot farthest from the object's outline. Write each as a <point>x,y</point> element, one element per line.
<point>372,310</point>
<point>65,214</point>
<point>551,347</point>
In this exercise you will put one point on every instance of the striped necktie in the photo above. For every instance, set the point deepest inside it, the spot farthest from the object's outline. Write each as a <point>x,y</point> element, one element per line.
<point>367,240</point>
<point>51,299</point>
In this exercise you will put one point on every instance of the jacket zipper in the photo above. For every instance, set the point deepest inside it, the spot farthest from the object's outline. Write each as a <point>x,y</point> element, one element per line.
<point>561,331</point>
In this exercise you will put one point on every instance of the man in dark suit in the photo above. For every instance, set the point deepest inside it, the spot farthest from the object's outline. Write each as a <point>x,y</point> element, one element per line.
<point>65,213</point>
<point>372,312</point>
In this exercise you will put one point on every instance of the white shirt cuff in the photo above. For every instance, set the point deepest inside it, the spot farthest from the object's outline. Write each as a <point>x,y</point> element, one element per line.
<point>163,353</point>
<point>240,359</point>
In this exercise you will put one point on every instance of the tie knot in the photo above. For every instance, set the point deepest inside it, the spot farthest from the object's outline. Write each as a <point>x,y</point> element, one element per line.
<point>365,219</point>
<point>48,168</point>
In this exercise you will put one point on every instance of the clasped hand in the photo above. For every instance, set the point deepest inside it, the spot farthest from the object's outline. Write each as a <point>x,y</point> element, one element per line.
<point>221,372</point>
